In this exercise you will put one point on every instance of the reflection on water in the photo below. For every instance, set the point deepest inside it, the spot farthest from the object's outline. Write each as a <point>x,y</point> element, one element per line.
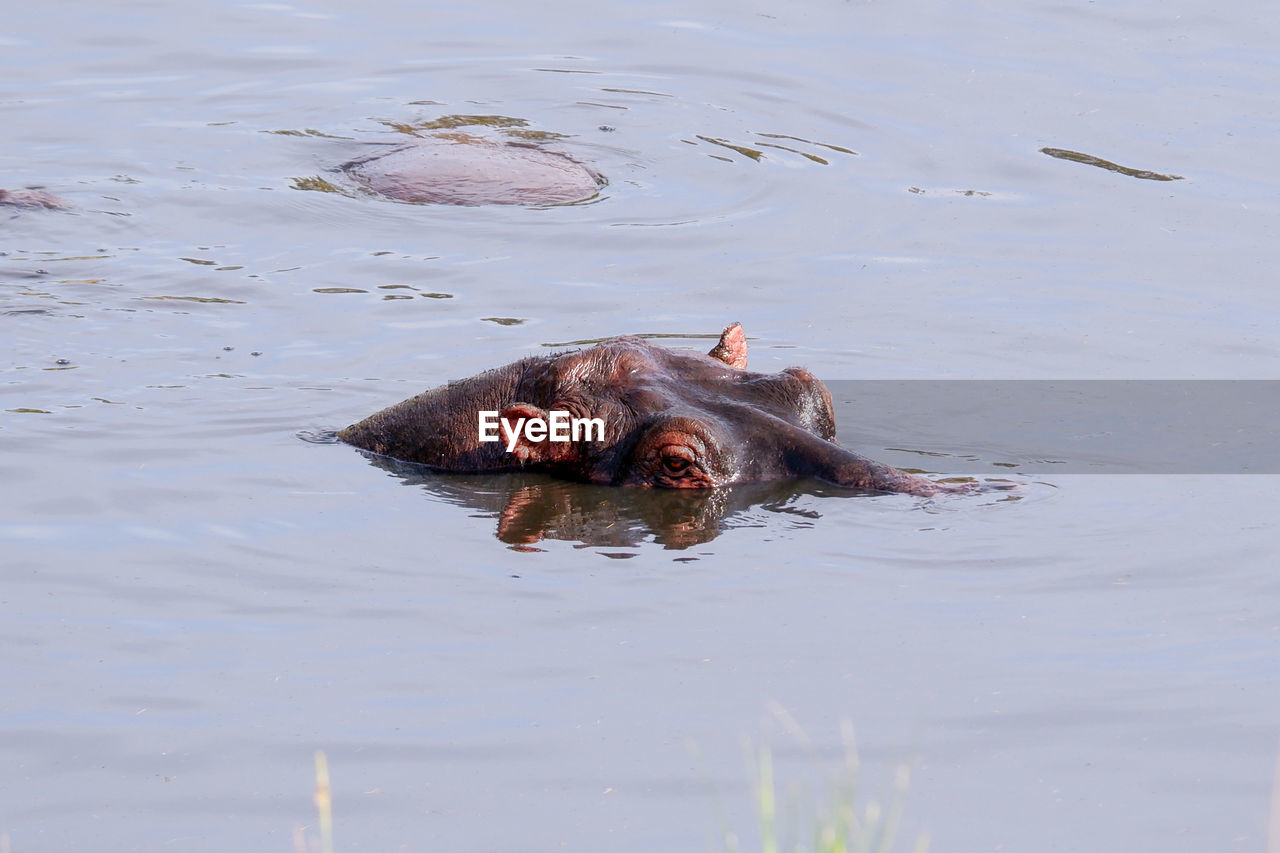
<point>756,155</point>
<point>533,507</point>
<point>1091,160</point>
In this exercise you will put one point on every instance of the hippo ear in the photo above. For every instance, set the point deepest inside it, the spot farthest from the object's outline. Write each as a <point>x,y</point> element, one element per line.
<point>732,349</point>
<point>513,421</point>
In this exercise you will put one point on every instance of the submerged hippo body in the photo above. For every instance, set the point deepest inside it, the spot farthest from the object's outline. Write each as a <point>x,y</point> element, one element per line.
<point>673,419</point>
<point>32,198</point>
<point>461,169</point>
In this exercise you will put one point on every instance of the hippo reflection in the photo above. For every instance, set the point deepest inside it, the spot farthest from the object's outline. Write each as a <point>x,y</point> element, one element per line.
<point>529,508</point>
<point>671,419</point>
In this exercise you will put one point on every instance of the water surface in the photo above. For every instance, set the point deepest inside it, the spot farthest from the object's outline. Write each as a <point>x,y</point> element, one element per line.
<point>194,600</point>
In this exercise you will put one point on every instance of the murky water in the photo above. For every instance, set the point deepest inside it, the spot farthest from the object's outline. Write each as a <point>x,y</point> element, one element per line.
<point>194,599</point>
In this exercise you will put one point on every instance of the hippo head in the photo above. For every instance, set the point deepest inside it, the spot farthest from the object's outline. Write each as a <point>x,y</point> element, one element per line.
<point>650,416</point>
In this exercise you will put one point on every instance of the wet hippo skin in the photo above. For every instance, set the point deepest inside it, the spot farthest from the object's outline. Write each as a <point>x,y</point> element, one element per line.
<point>32,198</point>
<point>464,169</point>
<point>671,419</point>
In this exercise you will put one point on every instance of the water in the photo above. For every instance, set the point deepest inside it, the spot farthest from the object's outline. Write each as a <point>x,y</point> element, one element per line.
<point>195,599</point>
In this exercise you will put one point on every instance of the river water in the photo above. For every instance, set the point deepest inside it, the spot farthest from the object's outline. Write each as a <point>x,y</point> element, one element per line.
<point>194,599</point>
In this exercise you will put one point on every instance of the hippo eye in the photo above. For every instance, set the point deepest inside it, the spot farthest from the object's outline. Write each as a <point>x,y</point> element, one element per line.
<point>674,456</point>
<point>675,464</point>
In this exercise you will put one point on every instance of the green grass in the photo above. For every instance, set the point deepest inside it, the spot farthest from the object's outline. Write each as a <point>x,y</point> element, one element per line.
<point>324,811</point>
<point>836,824</point>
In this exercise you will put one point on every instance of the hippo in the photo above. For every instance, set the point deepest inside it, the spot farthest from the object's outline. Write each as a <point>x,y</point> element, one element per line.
<point>464,169</point>
<point>628,413</point>
<point>32,198</point>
